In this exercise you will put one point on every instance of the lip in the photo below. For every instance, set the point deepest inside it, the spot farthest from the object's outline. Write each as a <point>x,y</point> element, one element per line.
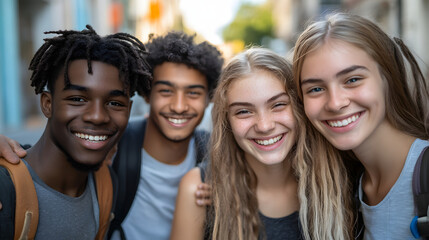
<point>92,140</point>
<point>345,123</point>
<point>269,147</point>
<point>178,121</point>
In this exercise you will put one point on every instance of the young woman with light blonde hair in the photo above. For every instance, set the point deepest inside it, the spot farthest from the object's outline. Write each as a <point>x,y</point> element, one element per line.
<point>272,176</point>
<point>366,94</point>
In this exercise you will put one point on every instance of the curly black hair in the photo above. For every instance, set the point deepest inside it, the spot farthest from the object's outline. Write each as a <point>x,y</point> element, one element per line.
<point>178,47</point>
<point>121,50</point>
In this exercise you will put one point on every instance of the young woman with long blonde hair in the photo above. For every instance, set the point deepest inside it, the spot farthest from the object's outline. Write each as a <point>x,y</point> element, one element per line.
<point>271,175</point>
<point>366,94</point>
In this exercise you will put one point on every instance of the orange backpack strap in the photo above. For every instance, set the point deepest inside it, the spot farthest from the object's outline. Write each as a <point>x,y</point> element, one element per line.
<point>27,206</point>
<point>103,182</point>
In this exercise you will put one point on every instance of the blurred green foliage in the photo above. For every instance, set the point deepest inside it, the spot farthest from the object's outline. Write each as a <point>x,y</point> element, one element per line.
<point>251,24</point>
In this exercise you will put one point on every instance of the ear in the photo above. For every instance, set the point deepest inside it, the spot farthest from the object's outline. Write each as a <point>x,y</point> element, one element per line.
<point>146,98</point>
<point>46,104</point>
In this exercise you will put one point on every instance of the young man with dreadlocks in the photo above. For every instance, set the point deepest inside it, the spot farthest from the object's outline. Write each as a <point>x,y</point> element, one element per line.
<point>155,153</point>
<point>85,82</point>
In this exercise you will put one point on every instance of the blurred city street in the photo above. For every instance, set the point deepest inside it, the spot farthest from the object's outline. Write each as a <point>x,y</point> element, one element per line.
<point>273,24</point>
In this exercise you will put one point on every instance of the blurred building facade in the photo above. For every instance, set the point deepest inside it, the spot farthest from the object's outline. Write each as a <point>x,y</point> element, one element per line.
<point>22,27</point>
<point>400,18</point>
<point>22,23</point>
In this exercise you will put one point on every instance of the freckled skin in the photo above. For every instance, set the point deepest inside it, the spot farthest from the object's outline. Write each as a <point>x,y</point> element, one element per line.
<point>331,96</point>
<point>260,110</point>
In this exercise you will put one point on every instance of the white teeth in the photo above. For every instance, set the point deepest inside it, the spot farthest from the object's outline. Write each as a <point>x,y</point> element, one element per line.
<point>177,121</point>
<point>91,137</point>
<point>269,141</point>
<point>344,122</point>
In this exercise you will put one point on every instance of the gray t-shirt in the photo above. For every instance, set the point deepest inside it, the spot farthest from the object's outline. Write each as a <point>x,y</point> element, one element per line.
<point>64,217</point>
<point>391,218</point>
<point>151,214</point>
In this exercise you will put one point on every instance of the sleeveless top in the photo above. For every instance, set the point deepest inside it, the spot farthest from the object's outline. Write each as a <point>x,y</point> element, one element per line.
<point>284,228</point>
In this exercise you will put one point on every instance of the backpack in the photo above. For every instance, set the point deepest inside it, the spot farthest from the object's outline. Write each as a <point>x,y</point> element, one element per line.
<point>420,223</point>
<point>127,165</point>
<point>26,203</point>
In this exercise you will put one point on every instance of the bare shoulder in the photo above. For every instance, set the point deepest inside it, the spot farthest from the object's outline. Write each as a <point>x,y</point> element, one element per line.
<point>191,180</point>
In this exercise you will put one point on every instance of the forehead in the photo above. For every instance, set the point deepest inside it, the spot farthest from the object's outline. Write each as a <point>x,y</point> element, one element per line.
<point>260,85</point>
<point>104,76</point>
<point>333,56</point>
<point>179,75</point>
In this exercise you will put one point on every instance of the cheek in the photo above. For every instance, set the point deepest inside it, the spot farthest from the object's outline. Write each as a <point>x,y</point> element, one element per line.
<point>199,105</point>
<point>63,113</point>
<point>238,128</point>
<point>288,118</point>
<point>157,103</point>
<point>311,108</point>
<point>120,119</point>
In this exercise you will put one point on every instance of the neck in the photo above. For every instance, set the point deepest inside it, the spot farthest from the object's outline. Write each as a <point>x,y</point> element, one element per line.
<point>53,168</point>
<point>162,148</point>
<point>383,156</point>
<point>276,188</point>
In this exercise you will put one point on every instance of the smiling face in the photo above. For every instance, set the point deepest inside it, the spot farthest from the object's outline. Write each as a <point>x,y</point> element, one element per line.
<point>88,117</point>
<point>261,117</point>
<point>343,94</point>
<point>177,100</point>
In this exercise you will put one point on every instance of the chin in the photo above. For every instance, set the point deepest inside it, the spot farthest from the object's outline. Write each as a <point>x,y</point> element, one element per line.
<point>84,166</point>
<point>342,146</point>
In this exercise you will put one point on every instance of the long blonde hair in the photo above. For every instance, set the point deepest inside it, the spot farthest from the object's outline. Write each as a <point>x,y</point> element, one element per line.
<point>407,93</point>
<point>324,212</point>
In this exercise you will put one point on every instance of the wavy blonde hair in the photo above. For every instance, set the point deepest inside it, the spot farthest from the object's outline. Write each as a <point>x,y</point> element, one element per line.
<point>407,93</point>
<point>324,212</point>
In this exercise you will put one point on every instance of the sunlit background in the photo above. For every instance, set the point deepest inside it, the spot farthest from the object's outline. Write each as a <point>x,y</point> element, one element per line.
<point>229,24</point>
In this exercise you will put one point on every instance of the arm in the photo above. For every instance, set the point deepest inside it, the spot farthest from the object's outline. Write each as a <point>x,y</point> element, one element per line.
<point>11,150</point>
<point>189,218</point>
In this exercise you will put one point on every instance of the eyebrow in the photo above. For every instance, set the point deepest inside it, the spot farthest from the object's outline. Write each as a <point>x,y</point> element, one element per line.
<point>113,93</point>
<point>339,74</point>
<point>350,69</point>
<point>249,104</point>
<point>75,87</point>
<point>168,83</point>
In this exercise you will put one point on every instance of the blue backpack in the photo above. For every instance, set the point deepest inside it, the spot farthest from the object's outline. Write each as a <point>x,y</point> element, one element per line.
<point>420,224</point>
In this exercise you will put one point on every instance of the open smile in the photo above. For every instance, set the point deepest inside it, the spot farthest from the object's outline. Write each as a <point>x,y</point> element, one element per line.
<point>270,141</point>
<point>344,122</point>
<point>178,120</point>
<point>92,138</point>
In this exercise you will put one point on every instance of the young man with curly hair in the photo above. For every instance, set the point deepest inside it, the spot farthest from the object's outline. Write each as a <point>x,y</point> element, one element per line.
<point>154,153</point>
<point>184,76</point>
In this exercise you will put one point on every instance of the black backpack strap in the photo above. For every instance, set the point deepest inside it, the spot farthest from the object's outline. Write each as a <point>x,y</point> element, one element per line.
<point>115,189</point>
<point>420,224</point>
<point>203,166</point>
<point>201,143</point>
<point>7,198</point>
<point>127,165</point>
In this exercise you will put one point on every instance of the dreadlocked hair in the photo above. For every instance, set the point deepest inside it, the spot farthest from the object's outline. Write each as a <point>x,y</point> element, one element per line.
<point>121,50</point>
<point>178,47</point>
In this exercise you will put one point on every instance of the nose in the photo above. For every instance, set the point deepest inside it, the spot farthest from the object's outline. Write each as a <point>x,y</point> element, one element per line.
<point>179,103</point>
<point>264,123</point>
<point>96,113</point>
<point>337,100</point>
